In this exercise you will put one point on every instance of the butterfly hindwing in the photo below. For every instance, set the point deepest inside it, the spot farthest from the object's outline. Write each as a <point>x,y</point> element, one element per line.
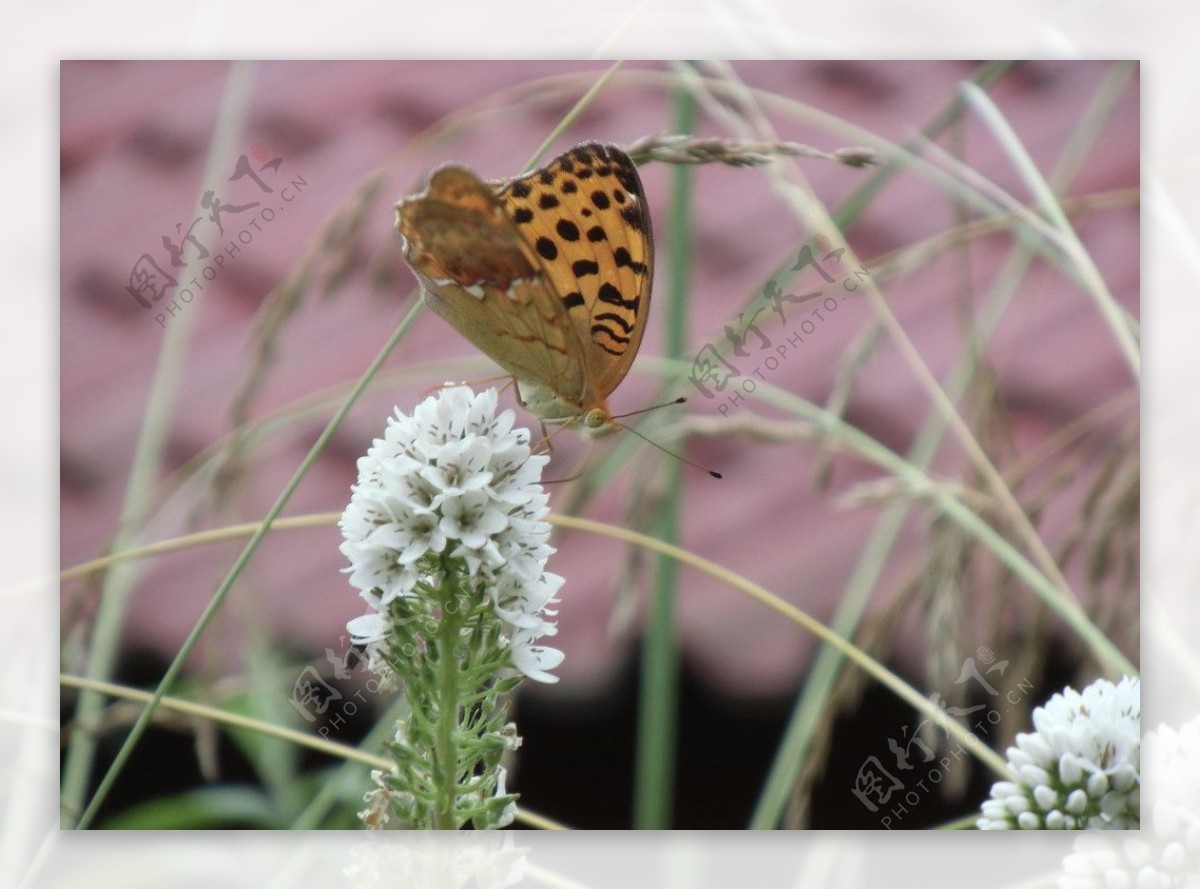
<point>476,273</point>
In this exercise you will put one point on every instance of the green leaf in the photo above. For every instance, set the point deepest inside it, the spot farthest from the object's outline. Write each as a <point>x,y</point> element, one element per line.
<point>225,806</point>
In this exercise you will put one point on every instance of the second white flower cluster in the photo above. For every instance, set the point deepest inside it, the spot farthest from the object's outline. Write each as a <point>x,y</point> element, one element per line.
<point>1080,769</point>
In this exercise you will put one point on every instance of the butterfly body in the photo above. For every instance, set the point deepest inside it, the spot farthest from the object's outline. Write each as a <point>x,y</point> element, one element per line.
<point>548,274</point>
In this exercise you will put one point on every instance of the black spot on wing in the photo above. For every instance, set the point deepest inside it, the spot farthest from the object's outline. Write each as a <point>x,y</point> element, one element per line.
<point>522,215</point>
<point>620,343</point>
<point>632,214</point>
<point>567,230</point>
<point>547,248</point>
<point>582,154</point>
<point>615,319</point>
<point>585,267</point>
<point>573,299</point>
<point>547,201</point>
<point>609,294</point>
<point>520,189</point>
<point>596,233</point>
<point>622,257</point>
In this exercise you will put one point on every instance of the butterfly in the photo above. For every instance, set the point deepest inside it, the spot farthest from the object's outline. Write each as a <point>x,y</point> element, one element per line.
<point>549,274</point>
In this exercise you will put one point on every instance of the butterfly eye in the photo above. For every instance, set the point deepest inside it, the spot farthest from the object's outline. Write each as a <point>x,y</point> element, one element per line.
<point>598,423</point>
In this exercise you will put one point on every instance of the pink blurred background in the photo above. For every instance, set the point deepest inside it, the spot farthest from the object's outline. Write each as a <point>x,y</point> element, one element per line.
<point>135,136</point>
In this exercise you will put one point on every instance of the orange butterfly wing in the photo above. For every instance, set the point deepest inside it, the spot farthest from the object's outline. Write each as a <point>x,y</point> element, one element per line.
<point>586,214</point>
<point>549,274</point>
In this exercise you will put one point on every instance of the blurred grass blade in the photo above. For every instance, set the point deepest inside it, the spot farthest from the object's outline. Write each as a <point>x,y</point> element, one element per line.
<point>1046,198</point>
<point>147,462</point>
<point>658,705</point>
<point>806,715</point>
<point>251,547</point>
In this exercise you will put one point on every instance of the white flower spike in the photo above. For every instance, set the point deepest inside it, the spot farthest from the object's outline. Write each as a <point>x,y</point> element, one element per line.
<point>448,543</point>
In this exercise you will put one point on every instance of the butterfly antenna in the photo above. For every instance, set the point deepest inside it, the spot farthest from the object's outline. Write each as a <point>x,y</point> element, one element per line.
<point>678,457</point>
<point>678,401</point>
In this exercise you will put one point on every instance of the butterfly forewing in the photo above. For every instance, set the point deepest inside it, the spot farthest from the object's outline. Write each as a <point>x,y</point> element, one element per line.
<point>585,216</point>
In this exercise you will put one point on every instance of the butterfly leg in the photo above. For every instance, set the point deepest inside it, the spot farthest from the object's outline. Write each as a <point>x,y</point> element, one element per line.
<point>512,381</point>
<point>544,445</point>
<point>545,440</point>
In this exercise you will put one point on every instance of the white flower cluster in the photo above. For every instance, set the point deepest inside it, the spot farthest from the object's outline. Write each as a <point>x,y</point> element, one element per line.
<point>1166,853</point>
<point>458,481</point>
<point>1080,769</point>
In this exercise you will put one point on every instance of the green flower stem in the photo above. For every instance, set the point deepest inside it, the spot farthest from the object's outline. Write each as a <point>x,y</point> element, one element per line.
<point>448,650</point>
<point>446,756</point>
